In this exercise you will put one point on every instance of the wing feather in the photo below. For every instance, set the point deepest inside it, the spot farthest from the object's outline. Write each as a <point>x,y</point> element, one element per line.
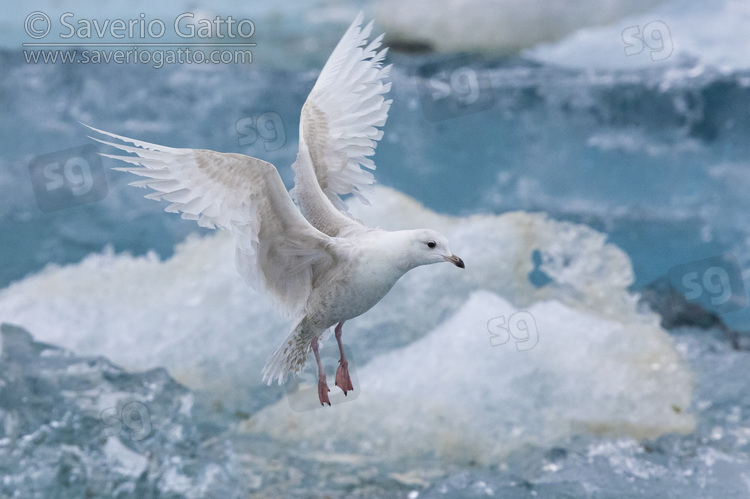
<point>277,249</point>
<point>339,129</point>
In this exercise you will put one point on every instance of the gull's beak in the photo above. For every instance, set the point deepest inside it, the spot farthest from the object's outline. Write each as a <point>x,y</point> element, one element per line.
<point>455,261</point>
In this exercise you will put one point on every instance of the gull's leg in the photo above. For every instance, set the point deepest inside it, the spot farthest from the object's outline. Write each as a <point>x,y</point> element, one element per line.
<point>322,385</point>
<point>343,380</point>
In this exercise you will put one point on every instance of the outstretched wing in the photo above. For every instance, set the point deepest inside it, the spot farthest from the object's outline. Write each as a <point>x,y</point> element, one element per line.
<point>277,249</point>
<point>338,129</point>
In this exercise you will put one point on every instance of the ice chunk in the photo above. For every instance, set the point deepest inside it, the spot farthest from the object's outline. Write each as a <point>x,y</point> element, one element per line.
<point>195,316</point>
<point>454,395</point>
<point>75,426</point>
<point>192,313</point>
<point>695,33</point>
<point>676,311</point>
<point>491,25</point>
<point>583,270</point>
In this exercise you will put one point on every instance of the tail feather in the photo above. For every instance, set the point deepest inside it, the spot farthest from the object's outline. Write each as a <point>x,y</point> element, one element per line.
<point>290,356</point>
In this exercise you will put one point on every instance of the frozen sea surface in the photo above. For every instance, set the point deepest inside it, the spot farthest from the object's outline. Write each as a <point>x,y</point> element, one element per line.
<point>584,187</point>
<point>79,404</point>
<point>588,396</point>
<point>75,426</point>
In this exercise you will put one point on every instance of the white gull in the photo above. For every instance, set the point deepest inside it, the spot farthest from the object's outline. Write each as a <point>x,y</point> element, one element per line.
<point>320,265</point>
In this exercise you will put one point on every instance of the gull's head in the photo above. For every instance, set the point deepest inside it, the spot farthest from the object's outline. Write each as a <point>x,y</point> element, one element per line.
<point>428,246</point>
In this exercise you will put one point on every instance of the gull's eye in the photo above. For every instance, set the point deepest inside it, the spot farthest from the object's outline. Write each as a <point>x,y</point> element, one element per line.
<point>431,244</point>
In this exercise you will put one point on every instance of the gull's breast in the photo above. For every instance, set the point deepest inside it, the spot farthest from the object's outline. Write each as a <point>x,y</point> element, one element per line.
<point>365,282</point>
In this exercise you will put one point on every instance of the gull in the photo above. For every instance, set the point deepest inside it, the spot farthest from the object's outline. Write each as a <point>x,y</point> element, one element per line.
<point>319,265</point>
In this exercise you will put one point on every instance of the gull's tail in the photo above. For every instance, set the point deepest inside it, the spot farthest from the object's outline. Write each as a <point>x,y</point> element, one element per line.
<point>290,356</point>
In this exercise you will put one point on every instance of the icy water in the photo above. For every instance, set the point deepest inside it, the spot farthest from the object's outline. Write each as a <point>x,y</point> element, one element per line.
<point>570,181</point>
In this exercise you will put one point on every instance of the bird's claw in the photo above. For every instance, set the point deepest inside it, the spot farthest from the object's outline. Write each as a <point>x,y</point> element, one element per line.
<point>323,391</point>
<point>343,380</point>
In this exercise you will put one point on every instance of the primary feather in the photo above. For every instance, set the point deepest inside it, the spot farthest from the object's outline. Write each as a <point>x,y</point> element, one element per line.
<point>277,249</point>
<point>339,129</point>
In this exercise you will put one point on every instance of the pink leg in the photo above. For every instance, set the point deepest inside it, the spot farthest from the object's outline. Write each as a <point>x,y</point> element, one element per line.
<point>343,380</point>
<point>322,385</point>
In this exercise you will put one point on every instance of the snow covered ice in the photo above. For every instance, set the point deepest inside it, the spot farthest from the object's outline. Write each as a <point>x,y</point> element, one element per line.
<point>461,400</point>
<point>143,301</point>
<point>624,167</point>
<point>601,365</point>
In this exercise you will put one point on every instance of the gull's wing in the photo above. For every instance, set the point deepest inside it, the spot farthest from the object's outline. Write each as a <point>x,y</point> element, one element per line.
<point>338,129</point>
<point>277,249</point>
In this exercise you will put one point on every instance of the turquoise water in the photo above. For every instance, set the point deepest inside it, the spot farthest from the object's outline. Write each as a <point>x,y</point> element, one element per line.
<point>653,156</point>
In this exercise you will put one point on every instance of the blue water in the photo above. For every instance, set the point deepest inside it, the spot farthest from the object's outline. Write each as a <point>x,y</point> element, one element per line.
<point>655,156</point>
<point>660,170</point>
